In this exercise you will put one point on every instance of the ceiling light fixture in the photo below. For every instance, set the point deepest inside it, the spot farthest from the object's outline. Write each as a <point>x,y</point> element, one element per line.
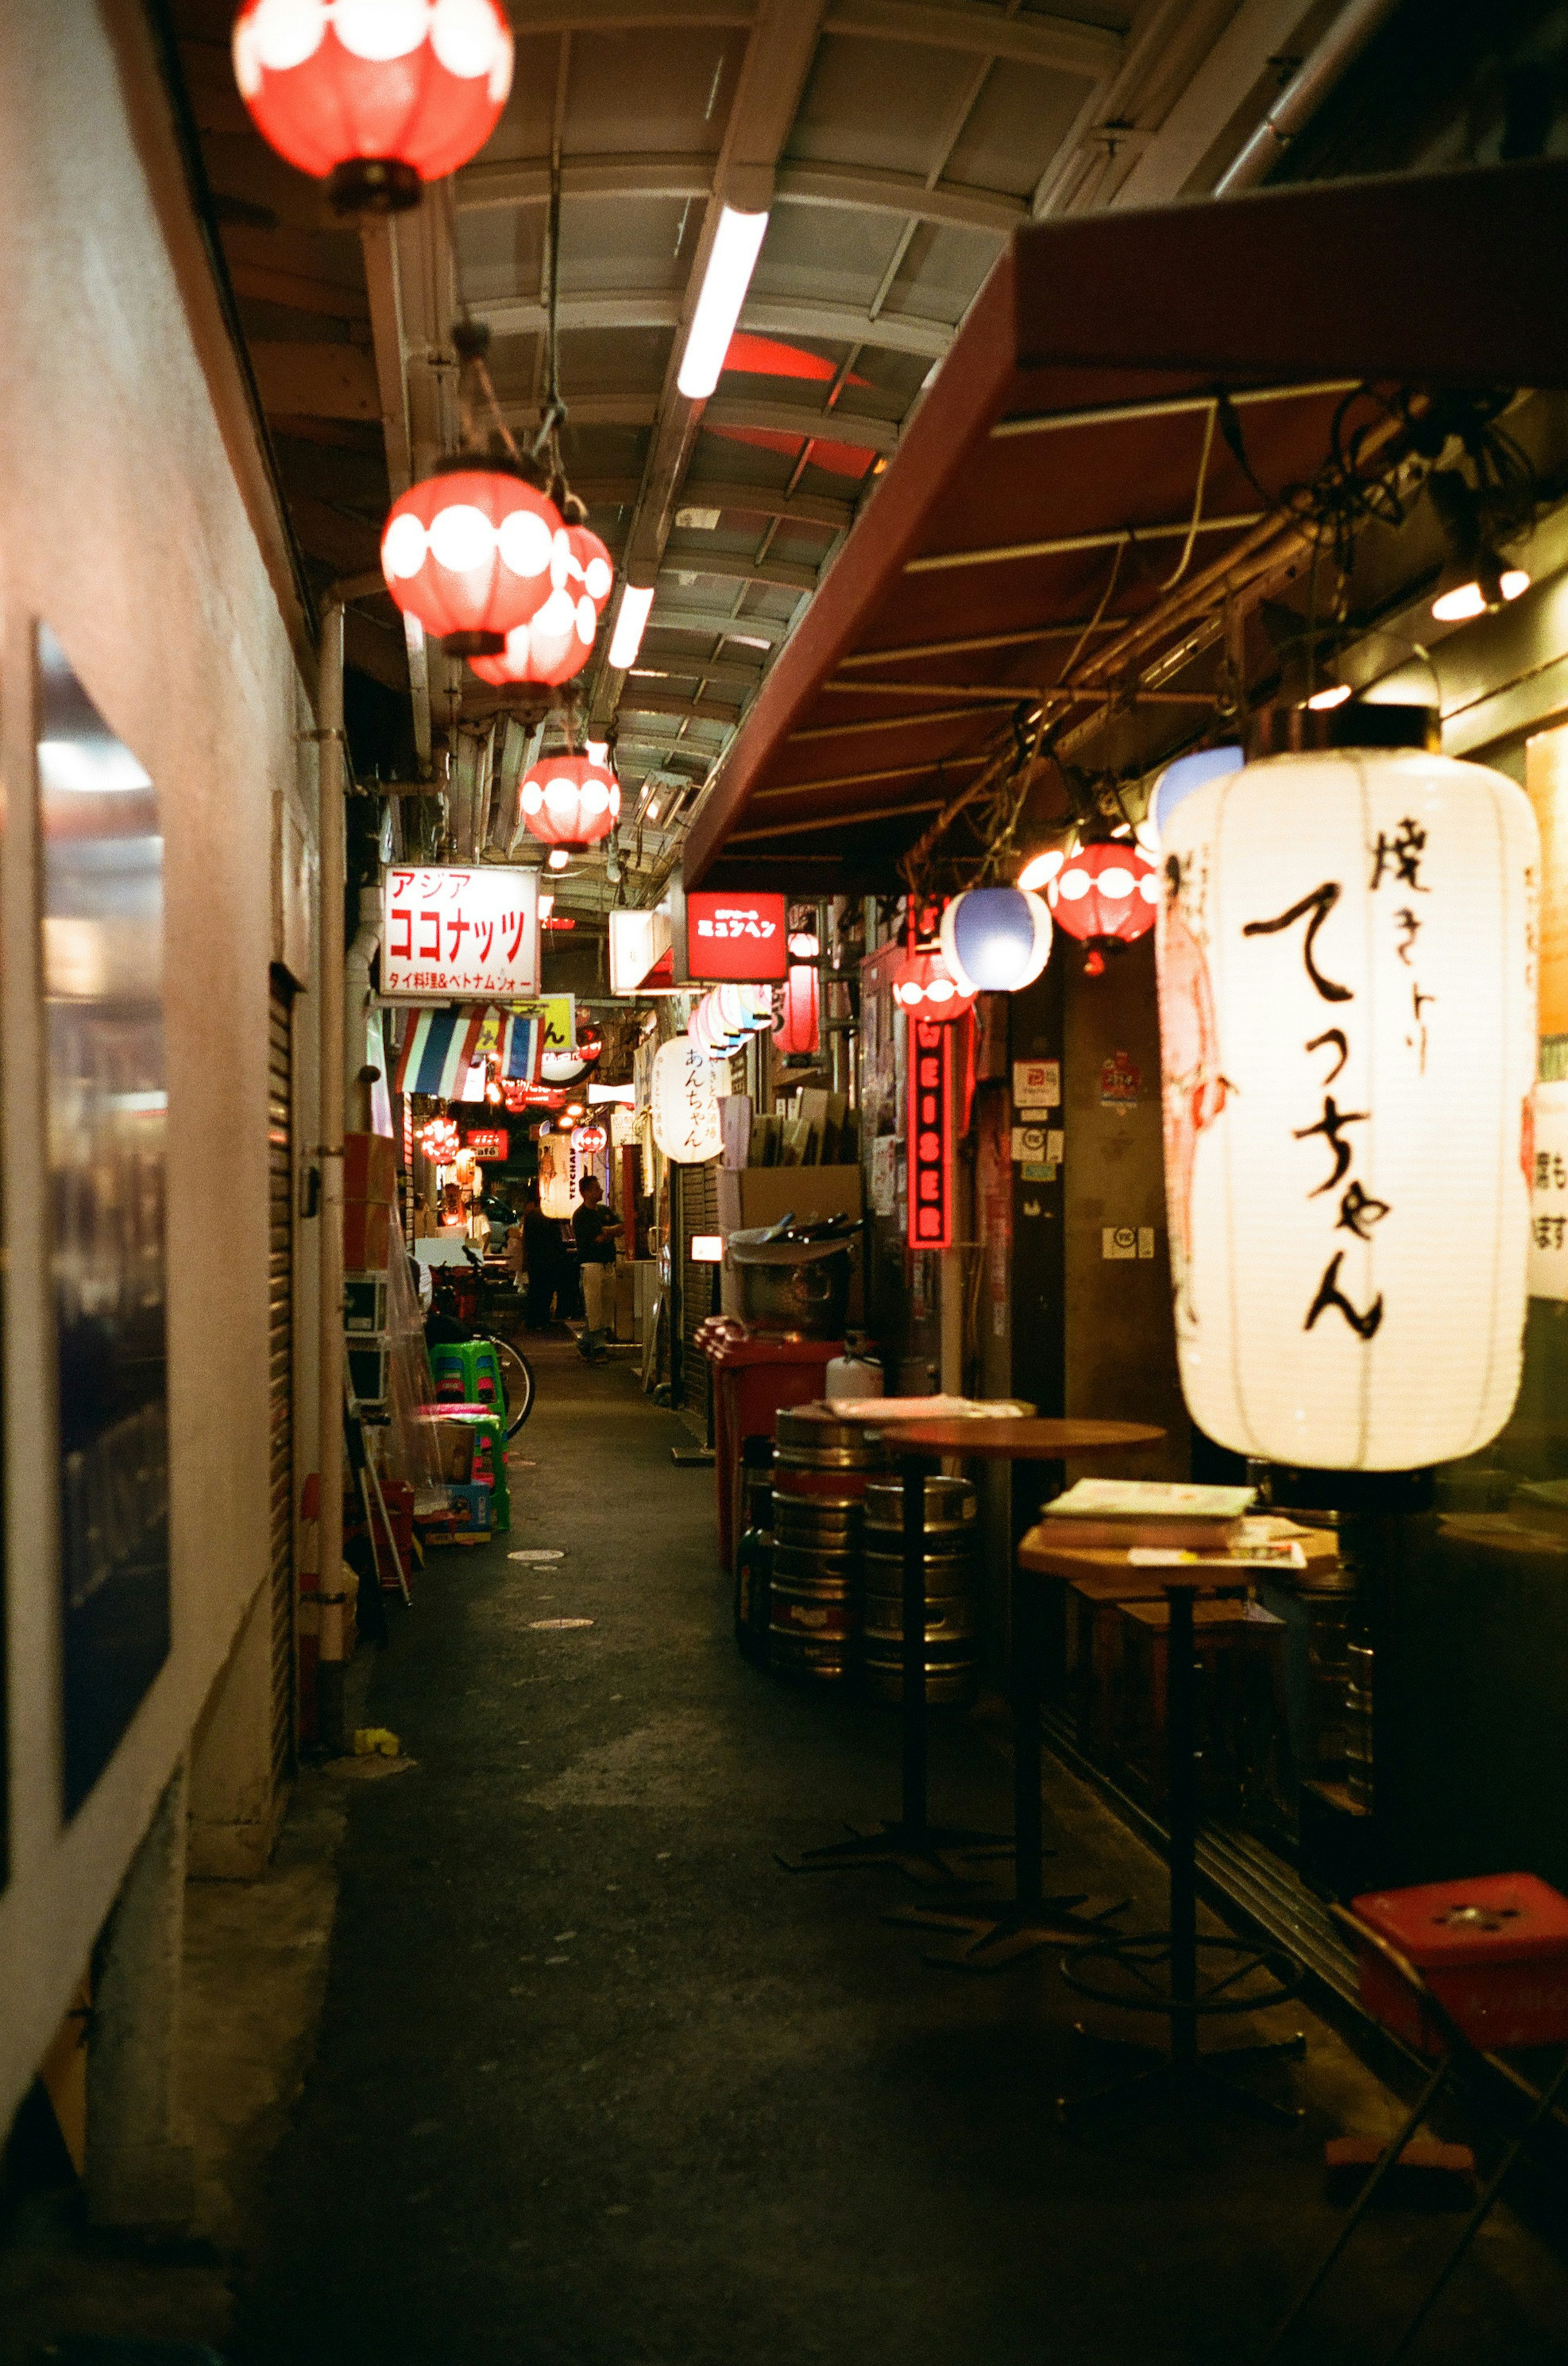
<point>558,858</point>
<point>636,602</point>
<point>731,261</point>
<point>1475,580</point>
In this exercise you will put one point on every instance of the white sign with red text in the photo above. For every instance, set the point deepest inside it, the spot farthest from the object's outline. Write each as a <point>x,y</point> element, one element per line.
<point>451,934</point>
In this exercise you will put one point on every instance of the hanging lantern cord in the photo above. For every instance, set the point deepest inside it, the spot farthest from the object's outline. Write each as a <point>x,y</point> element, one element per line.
<point>548,443</point>
<point>476,392</point>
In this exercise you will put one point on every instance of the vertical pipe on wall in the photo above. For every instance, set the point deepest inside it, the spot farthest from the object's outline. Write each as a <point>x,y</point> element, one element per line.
<point>334,1640</point>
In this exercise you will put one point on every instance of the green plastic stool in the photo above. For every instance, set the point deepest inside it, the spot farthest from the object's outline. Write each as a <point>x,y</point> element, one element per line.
<point>475,1368</point>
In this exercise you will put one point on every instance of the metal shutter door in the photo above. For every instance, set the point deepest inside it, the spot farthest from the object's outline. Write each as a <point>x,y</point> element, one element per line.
<point>280,1372</point>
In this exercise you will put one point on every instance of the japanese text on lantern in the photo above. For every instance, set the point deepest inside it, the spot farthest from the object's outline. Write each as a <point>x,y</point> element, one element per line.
<point>930,1159</point>
<point>1395,882</point>
<point>447,931</point>
<point>1548,1194</point>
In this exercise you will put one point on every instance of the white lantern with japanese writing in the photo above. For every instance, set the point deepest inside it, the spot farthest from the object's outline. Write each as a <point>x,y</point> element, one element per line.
<point>687,1126</point>
<point>1347,1021</point>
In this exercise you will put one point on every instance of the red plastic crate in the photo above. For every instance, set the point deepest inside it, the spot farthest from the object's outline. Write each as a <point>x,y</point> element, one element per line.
<point>1494,1952</point>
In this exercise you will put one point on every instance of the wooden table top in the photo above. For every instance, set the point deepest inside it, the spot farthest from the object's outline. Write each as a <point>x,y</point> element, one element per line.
<point>1039,1551</point>
<point>1004,1437</point>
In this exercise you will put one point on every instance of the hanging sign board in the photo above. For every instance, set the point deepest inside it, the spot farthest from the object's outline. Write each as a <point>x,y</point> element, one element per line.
<point>733,936</point>
<point>930,1136</point>
<point>687,1123</point>
<point>450,934</point>
<point>488,1141</point>
<point>640,957</point>
<point>1548,1195</point>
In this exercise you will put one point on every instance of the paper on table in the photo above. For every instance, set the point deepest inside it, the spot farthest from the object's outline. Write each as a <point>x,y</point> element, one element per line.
<point>1273,1556</point>
<point>938,1408</point>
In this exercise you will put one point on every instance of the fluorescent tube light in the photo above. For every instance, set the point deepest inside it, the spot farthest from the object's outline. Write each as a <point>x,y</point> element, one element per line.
<point>635,603</point>
<point>724,283</point>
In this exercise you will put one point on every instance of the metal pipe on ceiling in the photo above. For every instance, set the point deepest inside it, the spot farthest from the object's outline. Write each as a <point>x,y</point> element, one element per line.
<point>1063,545</point>
<point>1305,94</point>
<point>1171,406</point>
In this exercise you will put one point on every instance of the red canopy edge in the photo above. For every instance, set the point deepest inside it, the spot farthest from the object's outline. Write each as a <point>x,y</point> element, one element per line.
<point>968,397</point>
<point>1435,279</point>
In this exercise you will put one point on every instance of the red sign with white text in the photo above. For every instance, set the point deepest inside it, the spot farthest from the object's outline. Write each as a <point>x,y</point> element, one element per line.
<point>735,938</point>
<point>930,1136</point>
<point>487,1142</point>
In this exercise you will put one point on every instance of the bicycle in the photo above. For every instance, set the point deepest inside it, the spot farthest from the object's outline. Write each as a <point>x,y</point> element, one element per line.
<point>456,1296</point>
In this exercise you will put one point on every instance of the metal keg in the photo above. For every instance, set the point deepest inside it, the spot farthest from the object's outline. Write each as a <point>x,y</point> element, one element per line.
<point>950,1507</point>
<point>819,1474</point>
<point>1359,1766</point>
<point>951,1612</point>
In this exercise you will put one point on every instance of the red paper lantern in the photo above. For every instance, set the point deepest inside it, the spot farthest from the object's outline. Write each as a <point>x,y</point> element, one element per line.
<point>926,988</point>
<point>376,96</point>
<point>1105,894</point>
<point>468,551</point>
<point>558,639</point>
<point>591,1139</point>
<point>796,1027</point>
<point>587,567</point>
<point>571,801</point>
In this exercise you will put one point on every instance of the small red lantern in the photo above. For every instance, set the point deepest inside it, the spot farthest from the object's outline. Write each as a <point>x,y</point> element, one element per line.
<point>374,97</point>
<point>557,640</point>
<point>438,1140</point>
<point>926,988</point>
<point>571,801</point>
<point>1105,894</point>
<point>796,1027</point>
<point>591,1139</point>
<point>468,551</point>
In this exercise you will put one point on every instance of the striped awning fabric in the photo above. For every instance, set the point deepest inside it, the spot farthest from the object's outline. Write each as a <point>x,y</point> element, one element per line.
<point>446,1051</point>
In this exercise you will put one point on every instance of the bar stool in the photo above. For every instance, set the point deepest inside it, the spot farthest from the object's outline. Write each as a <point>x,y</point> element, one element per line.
<point>1159,1971</point>
<point>913,1842</point>
<point>1456,1969</point>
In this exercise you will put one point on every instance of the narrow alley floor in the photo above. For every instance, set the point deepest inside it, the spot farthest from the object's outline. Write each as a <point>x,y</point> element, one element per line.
<point>597,2083</point>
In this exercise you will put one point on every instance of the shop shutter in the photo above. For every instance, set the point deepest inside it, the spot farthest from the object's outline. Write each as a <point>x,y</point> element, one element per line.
<point>699,1188</point>
<point>280,1369</point>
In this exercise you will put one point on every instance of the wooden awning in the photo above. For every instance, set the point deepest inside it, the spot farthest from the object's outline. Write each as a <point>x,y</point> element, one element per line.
<point>1069,461</point>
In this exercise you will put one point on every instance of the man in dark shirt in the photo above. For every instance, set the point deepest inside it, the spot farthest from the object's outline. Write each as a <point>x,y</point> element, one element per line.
<point>595,1227</point>
<point>542,1253</point>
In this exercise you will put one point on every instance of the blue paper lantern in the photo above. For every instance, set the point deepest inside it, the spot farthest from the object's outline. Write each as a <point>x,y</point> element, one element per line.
<point>995,940</point>
<point>1178,781</point>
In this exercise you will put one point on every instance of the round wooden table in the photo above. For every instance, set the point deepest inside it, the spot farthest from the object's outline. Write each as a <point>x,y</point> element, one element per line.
<point>911,1840</point>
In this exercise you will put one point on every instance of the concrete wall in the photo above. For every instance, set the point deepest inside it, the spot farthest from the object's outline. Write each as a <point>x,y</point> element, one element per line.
<point>132,518</point>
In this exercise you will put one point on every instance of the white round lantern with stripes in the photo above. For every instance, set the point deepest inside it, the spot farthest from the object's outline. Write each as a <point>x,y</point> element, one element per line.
<point>1348,1023</point>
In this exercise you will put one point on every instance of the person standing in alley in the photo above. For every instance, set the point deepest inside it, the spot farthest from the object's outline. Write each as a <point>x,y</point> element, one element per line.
<point>542,1256</point>
<point>595,1227</point>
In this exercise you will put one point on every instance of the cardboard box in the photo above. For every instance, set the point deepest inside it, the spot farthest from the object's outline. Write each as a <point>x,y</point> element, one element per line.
<point>368,1237</point>
<point>370,1169</point>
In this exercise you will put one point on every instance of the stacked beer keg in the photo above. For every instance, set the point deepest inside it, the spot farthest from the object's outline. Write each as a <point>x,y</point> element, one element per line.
<point>951,1622</point>
<point>820,1473</point>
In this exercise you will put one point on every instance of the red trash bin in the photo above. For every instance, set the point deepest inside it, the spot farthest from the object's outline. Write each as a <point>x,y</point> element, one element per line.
<point>752,1378</point>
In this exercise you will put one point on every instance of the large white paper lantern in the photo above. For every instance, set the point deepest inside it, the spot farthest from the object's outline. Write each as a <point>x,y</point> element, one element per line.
<point>1348,1024</point>
<point>687,1126</point>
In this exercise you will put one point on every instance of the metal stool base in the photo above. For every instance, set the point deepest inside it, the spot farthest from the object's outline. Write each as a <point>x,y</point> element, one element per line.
<point>918,1851</point>
<point>1199,2077</point>
<point>1143,1959</point>
<point>994,1942</point>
